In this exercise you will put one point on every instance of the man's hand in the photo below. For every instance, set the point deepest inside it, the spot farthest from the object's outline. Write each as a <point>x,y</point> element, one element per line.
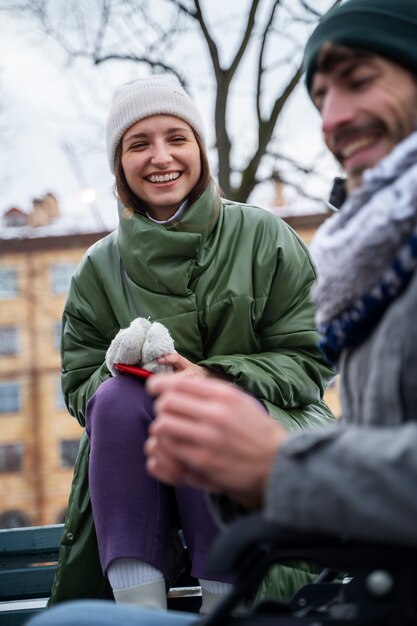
<point>210,435</point>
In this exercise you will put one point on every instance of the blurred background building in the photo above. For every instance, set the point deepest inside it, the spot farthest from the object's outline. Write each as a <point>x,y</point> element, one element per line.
<point>38,438</point>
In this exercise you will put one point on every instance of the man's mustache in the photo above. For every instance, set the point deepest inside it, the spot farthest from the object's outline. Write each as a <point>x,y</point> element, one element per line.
<point>350,132</point>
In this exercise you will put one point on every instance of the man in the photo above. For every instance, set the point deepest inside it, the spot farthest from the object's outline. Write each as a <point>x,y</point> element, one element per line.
<point>357,478</point>
<point>361,73</point>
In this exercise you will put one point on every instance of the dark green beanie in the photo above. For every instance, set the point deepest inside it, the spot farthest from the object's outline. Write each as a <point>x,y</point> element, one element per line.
<point>386,27</point>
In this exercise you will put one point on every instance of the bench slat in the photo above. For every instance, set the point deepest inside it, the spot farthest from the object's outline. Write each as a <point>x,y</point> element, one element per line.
<point>16,617</point>
<point>27,582</point>
<point>28,559</point>
<point>30,540</point>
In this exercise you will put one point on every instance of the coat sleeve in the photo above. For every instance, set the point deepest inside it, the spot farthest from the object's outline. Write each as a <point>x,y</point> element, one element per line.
<point>288,374</point>
<point>87,330</point>
<point>360,481</point>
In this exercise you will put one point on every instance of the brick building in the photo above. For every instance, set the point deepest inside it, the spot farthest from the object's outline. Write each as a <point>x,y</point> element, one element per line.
<point>38,438</point>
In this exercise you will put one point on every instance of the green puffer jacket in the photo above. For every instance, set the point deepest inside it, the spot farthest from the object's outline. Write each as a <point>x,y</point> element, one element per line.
<point>231,283</point>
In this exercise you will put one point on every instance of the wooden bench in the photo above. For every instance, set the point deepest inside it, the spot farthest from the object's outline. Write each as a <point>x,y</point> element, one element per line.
<point>28,559</point>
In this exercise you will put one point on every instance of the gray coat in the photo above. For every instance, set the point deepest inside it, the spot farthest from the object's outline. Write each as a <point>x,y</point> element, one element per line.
<point>360,477</point>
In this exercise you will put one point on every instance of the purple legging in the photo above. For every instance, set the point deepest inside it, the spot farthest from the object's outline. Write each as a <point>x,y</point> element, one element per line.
<point>132,510</point>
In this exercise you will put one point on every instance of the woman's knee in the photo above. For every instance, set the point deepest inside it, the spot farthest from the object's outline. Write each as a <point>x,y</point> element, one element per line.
<point>119,398</point>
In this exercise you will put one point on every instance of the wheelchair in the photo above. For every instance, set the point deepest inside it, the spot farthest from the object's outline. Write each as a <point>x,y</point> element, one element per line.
<point>359,583</point>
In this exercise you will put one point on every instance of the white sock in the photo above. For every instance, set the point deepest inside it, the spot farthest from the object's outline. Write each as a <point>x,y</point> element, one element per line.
<point>211,593</point>
<point>150,595</point>
<point>214,586</point>
<point>127,572</point>
<point>135,582</point>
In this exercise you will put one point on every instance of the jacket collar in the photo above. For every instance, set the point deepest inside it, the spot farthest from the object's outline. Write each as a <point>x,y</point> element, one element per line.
<point>160,257</point>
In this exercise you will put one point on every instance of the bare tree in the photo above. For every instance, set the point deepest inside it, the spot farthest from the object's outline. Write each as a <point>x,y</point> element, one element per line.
<point>250,55</point>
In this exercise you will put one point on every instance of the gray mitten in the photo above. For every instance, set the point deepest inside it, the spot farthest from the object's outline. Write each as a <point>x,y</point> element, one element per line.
<point>157,342</point>
<point>140,344</point>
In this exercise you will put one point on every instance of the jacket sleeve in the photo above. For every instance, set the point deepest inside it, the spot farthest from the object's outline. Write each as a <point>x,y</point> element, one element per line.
<point>87,330</point>
<point>288,374</point>
<point>360,481</point>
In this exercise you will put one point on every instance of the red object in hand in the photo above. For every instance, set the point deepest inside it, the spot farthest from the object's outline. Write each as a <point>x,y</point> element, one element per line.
<point>132,369</point>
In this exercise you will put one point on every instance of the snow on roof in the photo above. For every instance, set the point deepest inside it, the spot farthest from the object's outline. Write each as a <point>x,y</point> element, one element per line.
<point>63,225</point>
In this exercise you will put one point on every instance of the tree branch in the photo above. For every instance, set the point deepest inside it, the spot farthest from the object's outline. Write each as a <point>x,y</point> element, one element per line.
<point>211,44</point>
<point>266,129</point>
<point>246,38</point>
<point>260,60</point>
<point>105,16</point>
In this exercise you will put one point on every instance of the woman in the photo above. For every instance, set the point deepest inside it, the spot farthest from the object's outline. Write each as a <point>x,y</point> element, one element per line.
<point>229,284</point>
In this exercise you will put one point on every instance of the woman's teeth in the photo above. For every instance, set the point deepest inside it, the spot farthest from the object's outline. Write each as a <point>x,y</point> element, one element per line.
<point>164,178</point>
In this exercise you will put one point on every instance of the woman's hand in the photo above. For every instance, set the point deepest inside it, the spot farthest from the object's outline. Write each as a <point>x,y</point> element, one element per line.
<point>140,344</point>
<point>181,364</point>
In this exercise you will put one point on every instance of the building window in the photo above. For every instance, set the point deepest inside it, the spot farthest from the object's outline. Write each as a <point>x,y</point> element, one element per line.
<point>57,335</point>
<point>61,275</point>
<point>9,345</point>
<point>69,451</point>
<point>14,519</point>
<point>10,401</point>
<point>8,282</point>
<point>60,401</point>
<point>11,458</point>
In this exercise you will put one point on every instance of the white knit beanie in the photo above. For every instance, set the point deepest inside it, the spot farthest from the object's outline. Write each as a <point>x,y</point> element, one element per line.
<point>158,94</point>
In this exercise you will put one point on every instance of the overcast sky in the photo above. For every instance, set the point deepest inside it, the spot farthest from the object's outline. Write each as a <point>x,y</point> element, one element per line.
<point>47,104</point>
<point>40,113</point>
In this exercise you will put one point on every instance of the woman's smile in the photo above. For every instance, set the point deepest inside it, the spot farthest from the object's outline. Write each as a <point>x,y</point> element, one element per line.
<point>163,178</point>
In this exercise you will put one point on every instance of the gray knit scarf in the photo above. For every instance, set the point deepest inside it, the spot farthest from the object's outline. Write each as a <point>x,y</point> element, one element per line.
<point>366,254</point>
